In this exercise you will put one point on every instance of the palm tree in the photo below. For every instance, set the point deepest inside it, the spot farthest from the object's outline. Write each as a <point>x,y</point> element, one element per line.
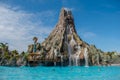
<point>35,41</point>
<point>15,52</point>
<point>4,46</point>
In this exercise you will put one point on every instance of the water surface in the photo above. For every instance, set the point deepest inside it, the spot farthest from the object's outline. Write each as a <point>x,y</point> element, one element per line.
<point>60,73</point>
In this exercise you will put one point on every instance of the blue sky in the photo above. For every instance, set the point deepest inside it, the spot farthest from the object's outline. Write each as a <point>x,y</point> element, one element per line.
<point>97,21</point>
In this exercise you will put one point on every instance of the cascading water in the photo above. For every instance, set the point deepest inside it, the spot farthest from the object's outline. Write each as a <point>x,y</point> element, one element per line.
<point>98,63</point>
<point>61,60</point>
<point>86,57</point>
<point>55,55</point>
<point>68,44</point>
<point>77,58</point>
<point>70,54</point>
<point>72,42</point>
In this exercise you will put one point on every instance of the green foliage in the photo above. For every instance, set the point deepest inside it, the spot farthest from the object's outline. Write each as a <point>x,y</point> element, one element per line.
<point>10,57</point>
<point>111,54</point>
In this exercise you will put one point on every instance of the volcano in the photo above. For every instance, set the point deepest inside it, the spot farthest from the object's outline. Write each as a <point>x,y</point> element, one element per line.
<point>64,46</point>
<point>65,43</point>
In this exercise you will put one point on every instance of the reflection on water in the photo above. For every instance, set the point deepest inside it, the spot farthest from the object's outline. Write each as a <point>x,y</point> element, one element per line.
<point>60,73</point>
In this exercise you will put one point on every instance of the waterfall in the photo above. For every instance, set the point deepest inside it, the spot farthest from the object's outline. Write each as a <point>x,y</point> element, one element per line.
<point>69,46</point>
<point>86,57</point>
<point>72,42</point>
<point>61,60</point>
<point>76,60</point>
<point>77,55</point>
<point>55,55</point>
<point>70,54</point>
<point>98,63</point>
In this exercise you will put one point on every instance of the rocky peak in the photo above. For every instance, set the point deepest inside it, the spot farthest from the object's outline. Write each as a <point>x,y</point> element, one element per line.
<point>66,18</point>
<point>65,15</point>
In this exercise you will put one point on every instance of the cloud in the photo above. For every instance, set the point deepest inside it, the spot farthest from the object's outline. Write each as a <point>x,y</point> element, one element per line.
<point>18,27</point>
<point>65,4</point>
<point>89,35</point>
<point>69,9</point>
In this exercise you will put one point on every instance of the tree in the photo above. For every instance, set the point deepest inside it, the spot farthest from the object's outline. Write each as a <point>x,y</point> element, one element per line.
<point>14,52</point>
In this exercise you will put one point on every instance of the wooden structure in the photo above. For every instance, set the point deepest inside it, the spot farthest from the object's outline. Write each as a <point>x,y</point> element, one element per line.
<point>35,59</point>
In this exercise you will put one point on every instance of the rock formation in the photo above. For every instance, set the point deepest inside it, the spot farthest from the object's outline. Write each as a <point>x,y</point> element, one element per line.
<point>64,41</point>
<point>65,45</point>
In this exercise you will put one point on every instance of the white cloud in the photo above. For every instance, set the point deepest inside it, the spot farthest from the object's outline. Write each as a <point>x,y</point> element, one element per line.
<point>17,27</point>
<point>89,35</point>
<point>69,9</point>
<point>66,5</point>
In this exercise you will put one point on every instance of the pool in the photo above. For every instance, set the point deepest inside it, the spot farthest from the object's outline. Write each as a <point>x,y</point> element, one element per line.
<point>60,73</point>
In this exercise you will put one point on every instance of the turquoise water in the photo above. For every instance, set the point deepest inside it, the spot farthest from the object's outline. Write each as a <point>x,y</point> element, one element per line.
<point>60,73</point>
